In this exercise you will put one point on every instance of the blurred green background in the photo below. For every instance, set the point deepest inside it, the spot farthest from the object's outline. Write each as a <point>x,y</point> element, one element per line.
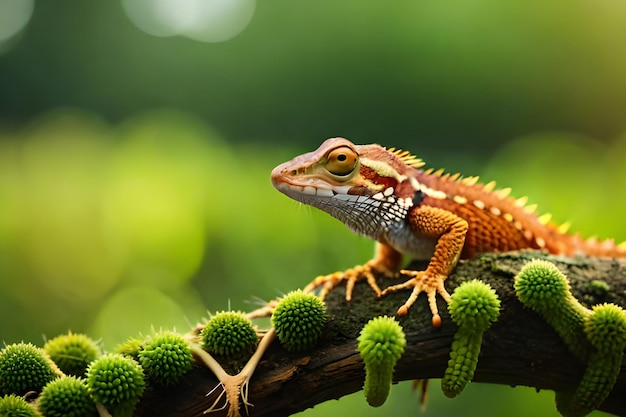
<point>137,137</point>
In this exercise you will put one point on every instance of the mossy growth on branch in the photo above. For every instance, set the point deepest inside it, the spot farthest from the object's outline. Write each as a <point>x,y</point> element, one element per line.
<point>381,344</point>
<point>474,306</point>
<point>542,287</point>
<point>116,382</point>
<point>229,334</point>
<point>299,320</point>
<point>66,397</point>
<point>15,406</point>
<point>72,352</point>
<point>34,369</point>
<point>166,358</point>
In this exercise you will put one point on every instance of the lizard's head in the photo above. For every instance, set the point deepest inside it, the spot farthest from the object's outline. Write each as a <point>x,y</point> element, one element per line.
<point>365,186</point>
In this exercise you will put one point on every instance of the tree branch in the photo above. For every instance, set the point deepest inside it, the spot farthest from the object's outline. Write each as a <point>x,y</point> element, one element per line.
<point>520,349</point>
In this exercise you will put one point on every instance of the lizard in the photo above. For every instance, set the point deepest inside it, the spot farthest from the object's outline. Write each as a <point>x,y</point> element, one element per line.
<point>388,196</point>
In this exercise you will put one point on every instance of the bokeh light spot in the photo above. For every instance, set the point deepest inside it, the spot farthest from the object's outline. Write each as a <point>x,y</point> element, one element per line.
<point>14,15</point>
<point>156,194</point>
<point>138,310</point>
<point>206,21</point>
<point>56,222</point>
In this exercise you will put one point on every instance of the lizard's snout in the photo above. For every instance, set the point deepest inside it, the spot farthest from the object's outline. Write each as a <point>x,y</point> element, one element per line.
<point>280,174</point>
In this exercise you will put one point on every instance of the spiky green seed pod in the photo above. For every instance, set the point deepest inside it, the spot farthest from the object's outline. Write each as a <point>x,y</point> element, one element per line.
<point>16,406</point>
<point>229,333</point>
<point>381,344</point>
<point>116,382</point>
<point>166,358</point>
<point>130,348</point>
<point>299,319</point>
<point>23,368</point>
<point>606,330</point>
<point>66,397</point>
<point>474,306</point>
<point>72,352</point>
<point>541,286</point>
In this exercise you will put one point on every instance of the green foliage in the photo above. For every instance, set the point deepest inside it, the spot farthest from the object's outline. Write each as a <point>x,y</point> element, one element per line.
<point>166,358</point>
<point>72,352</point>
<point>541,286</point>
<point>229,333</point>
<point>23,368</point>
<point>381,344</point>
<point>474,306</point>
<point>299,319</point>
<point>116,382</point>
<point>15,406</point>
<point>66,397</point>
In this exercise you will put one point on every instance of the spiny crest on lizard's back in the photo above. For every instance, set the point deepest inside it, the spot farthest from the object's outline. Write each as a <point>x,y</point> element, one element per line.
<point>408,158</point>
<point>485,198</point>
<point>516,211</point>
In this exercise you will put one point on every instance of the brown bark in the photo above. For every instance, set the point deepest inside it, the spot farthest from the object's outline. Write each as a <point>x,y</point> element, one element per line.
<point>520,349</point>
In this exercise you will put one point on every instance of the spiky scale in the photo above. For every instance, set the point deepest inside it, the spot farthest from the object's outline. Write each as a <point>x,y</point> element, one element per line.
<point>521,202</point>
<point>530,209</point>
<point>490,186</point>
<point>545,218</point>
<point>407,158</point>
<point>503,192</point>
<point>470,181</point>
<point>563,228</point>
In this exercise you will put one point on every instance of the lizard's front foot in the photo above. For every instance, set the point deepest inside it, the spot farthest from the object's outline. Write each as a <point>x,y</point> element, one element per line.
<point>422,281</point>
<point>367,271</point>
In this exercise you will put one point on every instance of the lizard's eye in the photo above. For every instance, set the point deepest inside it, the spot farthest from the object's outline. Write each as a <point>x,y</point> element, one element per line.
<point>341,161</point>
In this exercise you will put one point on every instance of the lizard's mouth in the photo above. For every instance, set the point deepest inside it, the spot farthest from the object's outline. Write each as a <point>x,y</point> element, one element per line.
<point>288,184</point>
<point>309,194</point>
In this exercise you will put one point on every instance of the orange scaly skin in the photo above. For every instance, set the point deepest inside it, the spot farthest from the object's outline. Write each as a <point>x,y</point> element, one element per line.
<point>386,195</point>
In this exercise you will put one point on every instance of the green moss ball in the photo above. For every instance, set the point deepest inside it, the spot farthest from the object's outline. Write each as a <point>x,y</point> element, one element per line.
<point>66,397</point>
<point>541,286</point>
<point>72,352</point>
<point>23,368</point>
<point>606,328</point>
<point>130,348</point>
<point>166,358</point>
<point>114,380</point>
<point>229,333</point>
<point>474,305</point>
<point>16,406</point>
<point>299,319</point>
<point>381,342</point>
